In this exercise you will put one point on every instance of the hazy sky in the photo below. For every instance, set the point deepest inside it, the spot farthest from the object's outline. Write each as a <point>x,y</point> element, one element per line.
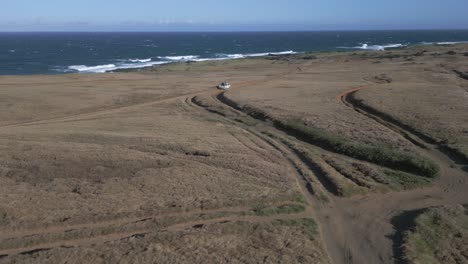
<point>217,15</point>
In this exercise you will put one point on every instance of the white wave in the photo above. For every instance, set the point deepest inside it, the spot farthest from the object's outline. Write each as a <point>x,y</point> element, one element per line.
<point>211,59</point>
<point>141,63</point>
<point>140,60</point>
<point>444,43</point>
<point>451,43</point>
<point>366,46</point>
<point>257,54</point>
<point>270,53</point>
<point>98,68</point>
<point>63,69</point>
<point>247,55</point>
<point>283,52</point>
<point>180,58</point>
<point>12,51</point>
<point>224,56</point>
<point>233,56</point>
<point>111,67</point>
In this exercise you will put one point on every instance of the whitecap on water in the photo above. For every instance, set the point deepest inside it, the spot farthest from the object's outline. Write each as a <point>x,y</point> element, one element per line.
<point>366,46</point>
<point>140,60</point>
<point>179,58</point>
<point>141,63</point>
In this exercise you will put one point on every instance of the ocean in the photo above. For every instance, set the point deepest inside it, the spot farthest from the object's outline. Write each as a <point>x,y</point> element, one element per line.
<point>58,53</point>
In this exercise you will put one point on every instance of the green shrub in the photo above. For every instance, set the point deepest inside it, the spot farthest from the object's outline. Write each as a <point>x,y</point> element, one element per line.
<point>380,155</point>
<point>439,235</point>
<point>301,199</point>
<point>406,181</point>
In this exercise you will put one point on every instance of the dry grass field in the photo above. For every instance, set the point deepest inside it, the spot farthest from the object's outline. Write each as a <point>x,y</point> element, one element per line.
<point>308,158</point>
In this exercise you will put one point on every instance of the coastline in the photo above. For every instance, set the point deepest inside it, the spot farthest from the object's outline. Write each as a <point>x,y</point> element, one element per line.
<point>363,48</point>
<point>306,54</point>
<point>93,53</point>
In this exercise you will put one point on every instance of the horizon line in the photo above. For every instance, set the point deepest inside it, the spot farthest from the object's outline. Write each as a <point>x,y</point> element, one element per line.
<point>231,31</point>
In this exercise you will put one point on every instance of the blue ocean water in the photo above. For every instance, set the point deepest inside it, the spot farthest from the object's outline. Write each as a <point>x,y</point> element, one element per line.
<point>55,53</point>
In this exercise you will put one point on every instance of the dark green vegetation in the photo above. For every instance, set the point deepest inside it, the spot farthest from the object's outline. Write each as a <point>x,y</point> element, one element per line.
<point>380,155</point>
<point>347,177</point>
<point>439,235</point>
<point>301,199</point>
<point>445,142</point>
<point>403,170</point>
<point>405,181</point>
<point>367,177</point>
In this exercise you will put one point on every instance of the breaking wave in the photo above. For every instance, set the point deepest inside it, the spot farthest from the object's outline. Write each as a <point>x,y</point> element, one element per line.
<point>141,63</point>
<point>140,60</point>
<point>179,58</point>
<point>109,67</point>
<point>445,43</point>
<point>366,46</point>
<point>98,68</point>
<point>247,55</point>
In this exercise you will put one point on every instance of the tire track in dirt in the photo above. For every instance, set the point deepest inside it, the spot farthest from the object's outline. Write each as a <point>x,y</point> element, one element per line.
<point>79,81</point>
<point>138,224</point>
<point>142,232</point>
<point>344,98</point>
<point>88,241</point>
<point>196,224</point>
<point>250,219</point>
<point>334,226</point>
<point>331,234</point>
<point>416,137</point>
<point>76,117</point>
<point>369,245</point>
<point>19,234</point>
<point>449,188</point>
<point>343,245</point>
<point>6,234</point>
<point>443,155</point>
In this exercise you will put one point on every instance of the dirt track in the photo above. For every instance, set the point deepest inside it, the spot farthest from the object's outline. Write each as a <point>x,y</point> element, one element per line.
<point>153,171</point>
<point>347,232</point>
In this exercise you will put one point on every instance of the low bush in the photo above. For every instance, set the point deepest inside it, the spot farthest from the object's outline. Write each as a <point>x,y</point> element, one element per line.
<point>380,155</point>
<point>438,235</point>
<point>405,181</point>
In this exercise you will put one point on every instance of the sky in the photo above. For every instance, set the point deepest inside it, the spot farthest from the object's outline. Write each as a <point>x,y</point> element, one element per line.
<point>233,15</point>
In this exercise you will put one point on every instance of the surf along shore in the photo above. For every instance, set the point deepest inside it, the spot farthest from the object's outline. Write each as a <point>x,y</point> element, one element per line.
<point>338,157</point>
